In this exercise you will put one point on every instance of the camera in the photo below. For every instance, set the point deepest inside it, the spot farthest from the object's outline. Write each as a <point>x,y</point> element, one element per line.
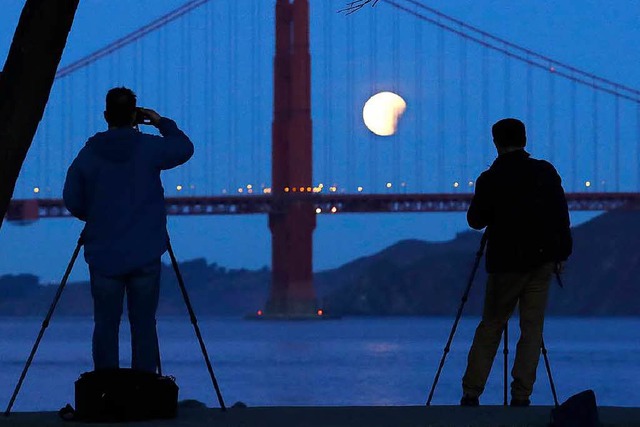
<point>141,118</point>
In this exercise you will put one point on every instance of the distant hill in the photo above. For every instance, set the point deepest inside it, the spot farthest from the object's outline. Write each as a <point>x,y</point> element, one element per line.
<point>414,277</point>
<point>411,277</point>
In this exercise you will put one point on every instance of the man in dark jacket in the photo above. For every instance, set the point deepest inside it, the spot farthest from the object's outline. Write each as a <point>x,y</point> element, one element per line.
<point>114,186</point>
<point>521,202</point>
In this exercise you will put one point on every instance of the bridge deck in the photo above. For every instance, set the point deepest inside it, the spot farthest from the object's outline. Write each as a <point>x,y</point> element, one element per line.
<point>371,416</point>
<point>330,203</point>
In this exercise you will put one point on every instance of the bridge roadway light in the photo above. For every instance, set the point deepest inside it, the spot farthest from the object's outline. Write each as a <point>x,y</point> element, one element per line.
<point>587,184</point>
<point>318,210</point>
<point>456,184</point>
<point>36,190</point>
<point>360,189</point>
<point>179,187</point>
<point>388,185</point>
<point>334,209</point>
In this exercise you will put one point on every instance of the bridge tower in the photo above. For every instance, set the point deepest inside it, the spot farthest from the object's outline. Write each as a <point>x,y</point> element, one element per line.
<point>292,292</point>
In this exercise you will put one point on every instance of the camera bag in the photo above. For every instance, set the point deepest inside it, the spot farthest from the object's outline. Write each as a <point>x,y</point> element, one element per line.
<point>125,395</point>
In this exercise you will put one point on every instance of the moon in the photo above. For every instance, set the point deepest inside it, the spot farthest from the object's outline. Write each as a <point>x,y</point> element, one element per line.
<point>382,112</point>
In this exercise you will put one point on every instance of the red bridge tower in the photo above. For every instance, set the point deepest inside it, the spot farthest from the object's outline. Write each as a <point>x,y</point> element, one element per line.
<point>292,292</point>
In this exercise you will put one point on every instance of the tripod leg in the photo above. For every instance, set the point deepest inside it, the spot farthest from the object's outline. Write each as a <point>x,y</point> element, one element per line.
<point>159,362</point>
<point>465,296</point>
<point>505,351</point>
<point>194,321</point>
<point>45,324</point>
<point>551,383</point>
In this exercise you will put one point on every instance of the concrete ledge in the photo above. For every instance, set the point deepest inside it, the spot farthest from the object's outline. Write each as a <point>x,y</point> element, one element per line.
<point>345,416</point>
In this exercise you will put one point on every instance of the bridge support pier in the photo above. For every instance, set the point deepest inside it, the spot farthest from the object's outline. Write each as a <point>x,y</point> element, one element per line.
<point>292,293</point>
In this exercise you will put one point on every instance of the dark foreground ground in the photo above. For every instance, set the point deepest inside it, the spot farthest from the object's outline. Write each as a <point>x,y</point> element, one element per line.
<point>369,416</point>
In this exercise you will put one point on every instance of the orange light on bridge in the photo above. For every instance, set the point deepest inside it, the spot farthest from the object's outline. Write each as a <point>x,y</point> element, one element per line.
<point>320,312</point>
<point>286,189</point>
<point>309,189</point>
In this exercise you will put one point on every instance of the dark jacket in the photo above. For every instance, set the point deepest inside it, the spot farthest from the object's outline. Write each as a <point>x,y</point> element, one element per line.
<point>114,185</point>
<point>521,202</point>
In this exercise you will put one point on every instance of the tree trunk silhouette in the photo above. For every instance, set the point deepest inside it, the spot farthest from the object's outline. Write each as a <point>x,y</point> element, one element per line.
<point>25,83</point>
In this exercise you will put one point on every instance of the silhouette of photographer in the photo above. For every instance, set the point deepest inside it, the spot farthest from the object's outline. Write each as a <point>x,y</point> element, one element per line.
<point>114,186</point>
<point>521,203</point>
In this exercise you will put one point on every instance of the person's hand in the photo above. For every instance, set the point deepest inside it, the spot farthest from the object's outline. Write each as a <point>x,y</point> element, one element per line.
<point>559,267</point>
<point>153,116</point>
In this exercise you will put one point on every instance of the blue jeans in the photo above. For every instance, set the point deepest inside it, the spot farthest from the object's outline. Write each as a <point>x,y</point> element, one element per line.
<point>143,289</point>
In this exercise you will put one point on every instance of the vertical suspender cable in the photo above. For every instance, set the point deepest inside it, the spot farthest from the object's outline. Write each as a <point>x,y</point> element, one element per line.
<point>208,99</point>
<point>594,119</point>
<point>373,88</point>
<point>441,109</point>
<point>189,184</point>
<point>507,86</point>
<point>638,144</point>
<point>574,139</point>
<point>141,58</point>
<point>616,142</point>
<point>235,140</point>
<point>328,97</point>
<point>419,100</point>
<point>63,130</point>
<point>262,147</point>
<point>183,90</point>
<point>133,66</point>
<point>88,123</point>
<point>395,38</point>
<point>485,104</point>
<point>552,103</point>
<point>530,126</point>
<point>230,143</point>
<point>350,100</point>
<point>45,180</point>
<point>254,66</point>
<point>463,110</point>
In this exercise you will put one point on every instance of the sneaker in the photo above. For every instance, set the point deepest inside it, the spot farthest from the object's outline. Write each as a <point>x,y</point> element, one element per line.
<point>469,400</point>
<point>520,402</point>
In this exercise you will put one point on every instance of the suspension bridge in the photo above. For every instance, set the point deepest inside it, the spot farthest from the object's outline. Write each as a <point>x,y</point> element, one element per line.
<point>253,96</point>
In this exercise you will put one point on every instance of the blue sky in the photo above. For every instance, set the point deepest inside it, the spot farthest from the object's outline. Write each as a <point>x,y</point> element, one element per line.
<point>597,36</point>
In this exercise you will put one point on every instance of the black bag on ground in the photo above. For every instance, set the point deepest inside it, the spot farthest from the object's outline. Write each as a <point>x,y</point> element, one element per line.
<point>125,395</point>
<point>579,410</point>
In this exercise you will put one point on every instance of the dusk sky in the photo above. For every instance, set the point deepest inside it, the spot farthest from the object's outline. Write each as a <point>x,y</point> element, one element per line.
<point>601,37</point>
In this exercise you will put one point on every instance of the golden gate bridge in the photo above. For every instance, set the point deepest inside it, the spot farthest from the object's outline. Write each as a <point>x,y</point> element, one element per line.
<point>212,66</point>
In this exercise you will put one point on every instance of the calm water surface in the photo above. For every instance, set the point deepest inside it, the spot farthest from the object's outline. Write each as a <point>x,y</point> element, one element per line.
<point>352,361</point>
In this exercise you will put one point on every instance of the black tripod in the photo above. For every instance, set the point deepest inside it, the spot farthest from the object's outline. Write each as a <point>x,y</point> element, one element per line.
<point>447,347</point>
<point>47,319</point>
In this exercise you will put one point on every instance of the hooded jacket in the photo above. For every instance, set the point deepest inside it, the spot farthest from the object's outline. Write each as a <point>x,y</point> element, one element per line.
<point>114,186</point>
<point>521,202</point>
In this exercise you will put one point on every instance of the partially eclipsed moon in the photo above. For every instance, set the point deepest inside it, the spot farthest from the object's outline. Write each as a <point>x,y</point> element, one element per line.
<point>382,112</point>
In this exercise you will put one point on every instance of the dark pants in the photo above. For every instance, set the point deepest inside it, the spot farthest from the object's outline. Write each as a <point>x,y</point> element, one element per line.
<point>504,291</point>
<point>143,288</point>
